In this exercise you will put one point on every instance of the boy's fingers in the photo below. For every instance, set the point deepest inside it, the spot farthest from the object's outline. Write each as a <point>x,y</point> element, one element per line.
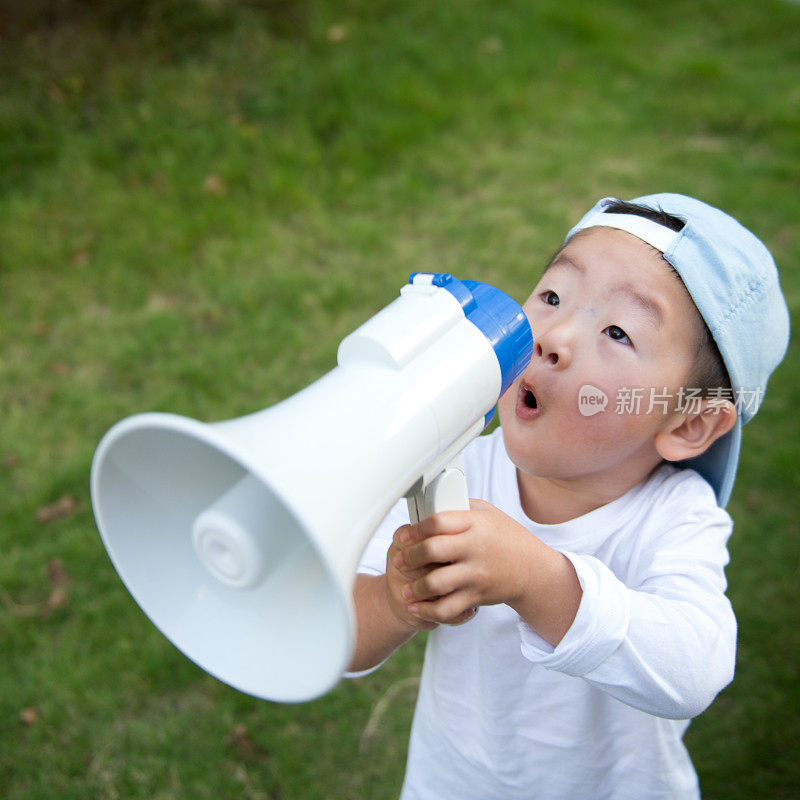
<point>435,583</point>
<point>465,616</point>
<point>444,523</point>
<point>395,559</point>
<point>453,609</point>
<point>403,535</point>
<point>436,550</point>
<point>409,574</point>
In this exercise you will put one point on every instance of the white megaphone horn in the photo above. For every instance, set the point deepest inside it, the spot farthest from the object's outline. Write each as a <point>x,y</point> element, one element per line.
<point>240,539</point>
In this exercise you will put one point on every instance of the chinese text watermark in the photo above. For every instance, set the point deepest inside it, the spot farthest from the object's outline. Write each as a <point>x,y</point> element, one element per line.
<point>630,400</point>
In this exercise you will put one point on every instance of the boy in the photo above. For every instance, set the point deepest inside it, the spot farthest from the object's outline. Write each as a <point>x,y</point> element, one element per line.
<point>597,546</point>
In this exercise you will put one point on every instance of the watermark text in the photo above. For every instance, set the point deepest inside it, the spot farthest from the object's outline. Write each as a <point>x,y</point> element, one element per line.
<point>638,400</point>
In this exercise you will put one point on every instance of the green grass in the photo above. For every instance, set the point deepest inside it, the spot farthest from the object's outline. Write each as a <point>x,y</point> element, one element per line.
<point>199,200</point>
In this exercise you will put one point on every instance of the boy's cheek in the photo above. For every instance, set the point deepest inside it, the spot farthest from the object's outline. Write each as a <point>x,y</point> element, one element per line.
<point>508,400</point>
<point>507,404</point>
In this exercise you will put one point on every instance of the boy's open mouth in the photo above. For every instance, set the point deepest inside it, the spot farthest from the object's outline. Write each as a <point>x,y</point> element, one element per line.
<point>528,406</point>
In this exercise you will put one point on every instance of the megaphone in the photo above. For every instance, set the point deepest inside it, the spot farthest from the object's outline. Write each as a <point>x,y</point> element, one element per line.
<point>240,539</point>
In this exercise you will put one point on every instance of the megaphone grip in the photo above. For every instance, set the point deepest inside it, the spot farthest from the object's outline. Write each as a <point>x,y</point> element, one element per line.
<point>446,492</point>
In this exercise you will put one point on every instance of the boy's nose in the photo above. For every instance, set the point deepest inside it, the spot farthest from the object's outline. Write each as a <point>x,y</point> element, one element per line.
<point>554,347</point>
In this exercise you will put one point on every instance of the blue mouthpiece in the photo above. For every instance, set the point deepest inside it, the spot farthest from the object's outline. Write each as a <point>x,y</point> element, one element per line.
<point>499,317</point>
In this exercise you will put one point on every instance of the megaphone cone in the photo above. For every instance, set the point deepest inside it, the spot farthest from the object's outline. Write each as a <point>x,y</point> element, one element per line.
<point>241,591</point>
<point>240,539</point>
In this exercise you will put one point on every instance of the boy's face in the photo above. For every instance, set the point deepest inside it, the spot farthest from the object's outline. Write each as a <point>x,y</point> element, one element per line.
<point>610,320</point>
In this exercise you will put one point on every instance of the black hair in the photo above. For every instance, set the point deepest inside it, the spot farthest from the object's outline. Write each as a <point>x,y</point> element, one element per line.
<point>708,372</point>
<point>653,214</point>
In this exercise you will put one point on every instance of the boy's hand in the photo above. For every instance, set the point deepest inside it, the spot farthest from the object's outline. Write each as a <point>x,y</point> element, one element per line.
<point>457,560</point>
<point>398,577</point>
<point>395,581</point>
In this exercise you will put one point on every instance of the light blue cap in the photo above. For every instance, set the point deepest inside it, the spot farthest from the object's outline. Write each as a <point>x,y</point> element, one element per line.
<point>733,281</point>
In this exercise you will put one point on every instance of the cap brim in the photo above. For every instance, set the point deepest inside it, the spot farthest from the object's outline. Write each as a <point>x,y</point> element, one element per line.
<point>718,464</point>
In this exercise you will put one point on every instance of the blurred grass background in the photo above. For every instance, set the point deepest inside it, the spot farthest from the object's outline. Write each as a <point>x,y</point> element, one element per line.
<point>198,200</point>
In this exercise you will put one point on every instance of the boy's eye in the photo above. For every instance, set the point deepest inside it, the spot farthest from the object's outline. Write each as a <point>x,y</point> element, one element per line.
<point>550,297</point>
<point>617,334</point>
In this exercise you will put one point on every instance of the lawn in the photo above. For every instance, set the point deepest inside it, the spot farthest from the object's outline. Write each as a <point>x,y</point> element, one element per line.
<point>198,200</point>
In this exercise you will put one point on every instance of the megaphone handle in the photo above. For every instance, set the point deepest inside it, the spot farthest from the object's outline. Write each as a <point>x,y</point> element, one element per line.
<point>446,492</point>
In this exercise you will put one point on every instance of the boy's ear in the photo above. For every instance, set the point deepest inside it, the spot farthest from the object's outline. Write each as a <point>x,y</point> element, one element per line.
<point>690,435</point>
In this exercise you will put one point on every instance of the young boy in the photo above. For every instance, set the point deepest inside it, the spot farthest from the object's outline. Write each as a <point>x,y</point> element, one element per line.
<point>596,546</point>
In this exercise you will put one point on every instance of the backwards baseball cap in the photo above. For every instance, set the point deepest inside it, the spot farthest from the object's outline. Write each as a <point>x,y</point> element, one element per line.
<point>733,281</point>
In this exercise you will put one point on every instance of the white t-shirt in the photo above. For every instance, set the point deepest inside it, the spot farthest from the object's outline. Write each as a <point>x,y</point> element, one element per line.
<point>502,715</point>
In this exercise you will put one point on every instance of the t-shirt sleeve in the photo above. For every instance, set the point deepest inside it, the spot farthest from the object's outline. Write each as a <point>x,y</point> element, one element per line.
<point>663,637</point>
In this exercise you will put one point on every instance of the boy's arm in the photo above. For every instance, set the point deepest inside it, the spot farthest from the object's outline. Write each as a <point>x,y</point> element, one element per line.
<point>664,643</point>
<point>378,631</point>
<point>483,557</point>
<point>383,622</point>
